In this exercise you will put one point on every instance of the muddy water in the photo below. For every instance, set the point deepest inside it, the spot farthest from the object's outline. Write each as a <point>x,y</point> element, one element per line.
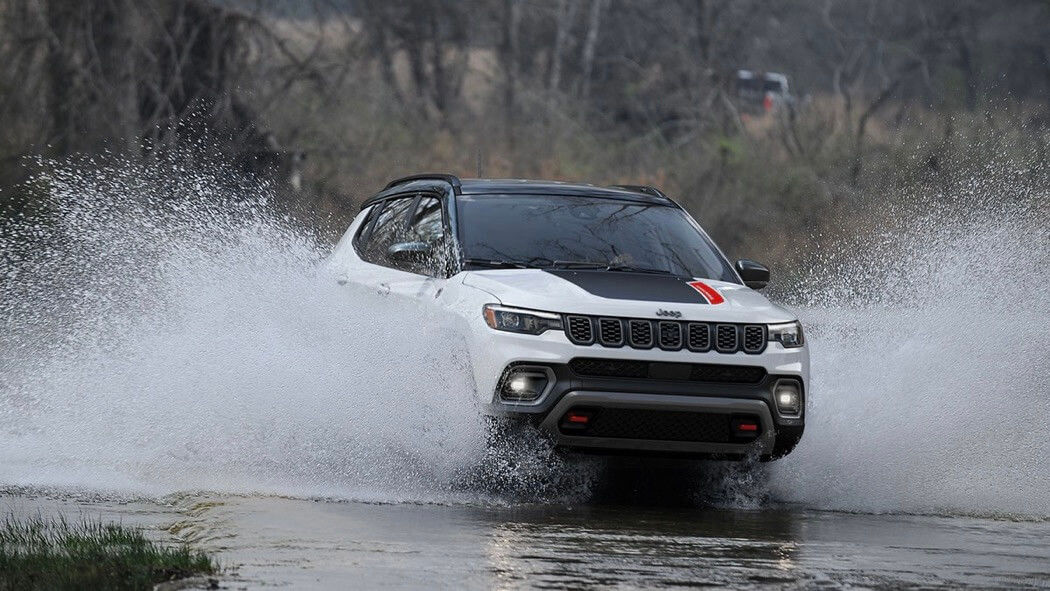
<point>268,542</point>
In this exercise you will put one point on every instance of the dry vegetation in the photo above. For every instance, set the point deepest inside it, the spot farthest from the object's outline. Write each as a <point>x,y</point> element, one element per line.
<point>332,98</point>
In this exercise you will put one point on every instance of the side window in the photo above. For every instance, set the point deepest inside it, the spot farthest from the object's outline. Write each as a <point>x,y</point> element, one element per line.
<point>429,224</point>
<point>390,227</point>
<point>428,227</point>
<point>366,226</point>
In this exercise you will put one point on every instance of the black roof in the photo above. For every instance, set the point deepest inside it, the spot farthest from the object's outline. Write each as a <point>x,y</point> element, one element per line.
<point>527,187</point>
<point>637,193</point>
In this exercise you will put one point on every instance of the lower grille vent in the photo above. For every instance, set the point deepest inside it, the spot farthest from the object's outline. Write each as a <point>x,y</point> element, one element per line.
<point>661,425</point>
<point>693,372</point>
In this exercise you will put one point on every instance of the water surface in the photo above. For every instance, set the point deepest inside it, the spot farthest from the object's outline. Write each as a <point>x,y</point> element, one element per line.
<point>317,544</point>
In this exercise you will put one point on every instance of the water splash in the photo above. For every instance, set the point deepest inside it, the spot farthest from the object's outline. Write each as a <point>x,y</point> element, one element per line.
<point>168,331</point>
<point>165,330</point>
<point>931,389</point>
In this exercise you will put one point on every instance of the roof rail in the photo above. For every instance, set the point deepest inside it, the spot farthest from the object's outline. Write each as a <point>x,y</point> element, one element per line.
<point>647,189</point>
<point>448,178</point>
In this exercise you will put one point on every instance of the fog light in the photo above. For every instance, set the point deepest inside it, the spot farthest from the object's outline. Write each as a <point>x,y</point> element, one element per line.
<point>788,396</point>
<point>525,384</point>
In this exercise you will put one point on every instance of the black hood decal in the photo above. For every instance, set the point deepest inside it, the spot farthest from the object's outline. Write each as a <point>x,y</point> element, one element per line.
<point>619,285</point>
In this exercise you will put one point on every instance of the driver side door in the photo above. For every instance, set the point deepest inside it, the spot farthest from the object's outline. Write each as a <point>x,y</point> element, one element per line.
<point>404,249</point>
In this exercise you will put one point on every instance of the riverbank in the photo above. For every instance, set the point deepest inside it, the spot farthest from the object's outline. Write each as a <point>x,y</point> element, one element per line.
<point>50,552</point>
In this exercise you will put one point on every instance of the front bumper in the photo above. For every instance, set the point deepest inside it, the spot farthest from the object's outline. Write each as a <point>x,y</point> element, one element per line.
<point>494,351</point>
<point>652,413</point>
<point>762,445</point>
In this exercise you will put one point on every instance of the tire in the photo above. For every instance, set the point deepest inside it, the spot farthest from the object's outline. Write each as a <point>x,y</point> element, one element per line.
<point>787,439</point>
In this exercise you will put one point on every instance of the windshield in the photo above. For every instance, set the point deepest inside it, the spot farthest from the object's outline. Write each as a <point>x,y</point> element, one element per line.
<point>584,233</point>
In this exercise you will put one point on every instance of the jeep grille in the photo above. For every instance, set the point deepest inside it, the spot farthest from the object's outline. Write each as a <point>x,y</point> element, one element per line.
<point>727,341</point>
<point>699,336</point>
<point>754,338</point>
<point>610,332</point>
<point>669,335</point>
<point>641,334</point>
<point>580,330</point>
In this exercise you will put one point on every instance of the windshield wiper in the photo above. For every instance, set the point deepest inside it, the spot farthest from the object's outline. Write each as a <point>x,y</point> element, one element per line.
<point>633,269</point>
<point>496,264</point>
<point>579,265</point>
<point>533,263</point>
<point>593,265</point>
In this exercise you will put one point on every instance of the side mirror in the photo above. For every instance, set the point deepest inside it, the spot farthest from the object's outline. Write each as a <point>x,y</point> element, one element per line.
<point>408,252</point>
<point>755,275</point>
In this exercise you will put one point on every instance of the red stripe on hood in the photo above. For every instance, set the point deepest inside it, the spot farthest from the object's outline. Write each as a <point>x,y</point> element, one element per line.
<point>709,293</point>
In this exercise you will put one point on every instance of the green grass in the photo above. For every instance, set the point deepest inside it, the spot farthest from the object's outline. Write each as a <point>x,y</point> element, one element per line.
<point>39,553</point>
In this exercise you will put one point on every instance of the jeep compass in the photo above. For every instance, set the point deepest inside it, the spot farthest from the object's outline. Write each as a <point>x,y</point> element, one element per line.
<point>605,316</point>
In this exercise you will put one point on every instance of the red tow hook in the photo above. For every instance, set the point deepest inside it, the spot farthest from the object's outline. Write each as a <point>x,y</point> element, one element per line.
<point>577,419</point>
<point>746,428</point>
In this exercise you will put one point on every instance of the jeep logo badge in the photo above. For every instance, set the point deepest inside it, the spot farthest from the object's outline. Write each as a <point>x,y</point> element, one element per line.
<point>669,313</point>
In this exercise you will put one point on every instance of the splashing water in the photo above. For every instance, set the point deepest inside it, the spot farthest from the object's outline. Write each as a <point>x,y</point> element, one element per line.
<point>930,353</point>
<point>166,335</point>
<point>167,331</point>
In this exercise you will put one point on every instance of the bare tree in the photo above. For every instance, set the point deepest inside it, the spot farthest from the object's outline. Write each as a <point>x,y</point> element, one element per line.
<point>564,19</point>
<point>432,36</point>
<point>589,44</point>
<point>509,57</point>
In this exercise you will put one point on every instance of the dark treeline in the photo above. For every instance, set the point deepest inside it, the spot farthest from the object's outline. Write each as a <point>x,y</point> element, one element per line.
<point>328,99</point>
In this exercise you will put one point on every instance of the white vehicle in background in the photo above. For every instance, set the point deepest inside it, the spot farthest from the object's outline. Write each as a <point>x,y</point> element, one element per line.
<point>762,91</point>
<point>605,316</point>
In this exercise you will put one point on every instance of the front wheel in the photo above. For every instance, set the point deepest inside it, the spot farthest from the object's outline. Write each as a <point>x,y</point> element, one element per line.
<point>787,439</point>
<point>523,462</point>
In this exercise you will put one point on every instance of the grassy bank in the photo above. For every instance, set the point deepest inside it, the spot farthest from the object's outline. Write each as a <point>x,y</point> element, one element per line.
<point>39,553</point>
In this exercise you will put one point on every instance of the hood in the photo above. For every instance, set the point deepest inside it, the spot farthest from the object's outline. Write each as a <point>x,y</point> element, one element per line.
<point>624,294</point>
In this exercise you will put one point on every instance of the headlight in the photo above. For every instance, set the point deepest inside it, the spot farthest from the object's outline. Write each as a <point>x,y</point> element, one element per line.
<point>518,320</point>
<point>788,334</point>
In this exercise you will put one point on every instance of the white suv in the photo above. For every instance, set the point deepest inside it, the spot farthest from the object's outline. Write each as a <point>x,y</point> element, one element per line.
<point>603,315</point>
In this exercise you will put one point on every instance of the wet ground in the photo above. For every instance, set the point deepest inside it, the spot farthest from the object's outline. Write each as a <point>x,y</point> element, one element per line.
<point>268,542</point>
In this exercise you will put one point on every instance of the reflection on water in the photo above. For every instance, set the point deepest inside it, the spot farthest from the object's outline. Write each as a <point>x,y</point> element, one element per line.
<point>609,547</point>
<point>321,544</point>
